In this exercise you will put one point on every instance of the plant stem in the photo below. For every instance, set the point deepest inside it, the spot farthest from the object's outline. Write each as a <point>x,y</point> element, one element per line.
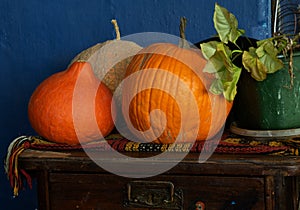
<point>117,30</point>
<point>291,69</point>
<point>182,42</point>
<point>237,51</point>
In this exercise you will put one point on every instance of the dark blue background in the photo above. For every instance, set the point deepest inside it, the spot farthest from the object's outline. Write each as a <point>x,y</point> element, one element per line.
<point>40,37</point>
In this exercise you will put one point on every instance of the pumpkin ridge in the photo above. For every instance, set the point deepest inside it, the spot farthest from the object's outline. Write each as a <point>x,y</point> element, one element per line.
<point>159,66</point>
<point>170,98</point>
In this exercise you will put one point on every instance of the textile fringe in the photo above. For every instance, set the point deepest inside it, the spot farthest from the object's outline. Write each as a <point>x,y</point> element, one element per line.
<point>11,166</point>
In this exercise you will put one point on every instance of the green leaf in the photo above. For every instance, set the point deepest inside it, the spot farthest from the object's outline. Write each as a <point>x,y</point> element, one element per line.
<point>209,68</point>
<point>209,48</point>
<point>226,74</point>
<point>219,60</point>
<point>230,87</point>
<point>222,57</point>
<point>266,46</point>
<point>216,87</point>
<point>229,79</point>
<point>218,55</point>
<point>220,64</point>
<point>253,65</point>
<point>267,55</point>
<point>272,64</point>
<point>226,25</point>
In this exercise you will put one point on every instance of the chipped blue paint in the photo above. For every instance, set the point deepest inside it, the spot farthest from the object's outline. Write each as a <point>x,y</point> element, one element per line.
<point>262,29</point>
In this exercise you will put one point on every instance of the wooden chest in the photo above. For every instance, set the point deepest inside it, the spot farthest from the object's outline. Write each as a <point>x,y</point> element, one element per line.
<point>71,180</point>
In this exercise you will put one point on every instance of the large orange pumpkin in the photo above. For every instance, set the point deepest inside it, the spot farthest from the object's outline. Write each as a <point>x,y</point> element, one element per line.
<point>169,78</point>
<point>72,106</point>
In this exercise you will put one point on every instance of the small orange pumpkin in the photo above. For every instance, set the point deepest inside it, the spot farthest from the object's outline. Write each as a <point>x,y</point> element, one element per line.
<point>72,106</point>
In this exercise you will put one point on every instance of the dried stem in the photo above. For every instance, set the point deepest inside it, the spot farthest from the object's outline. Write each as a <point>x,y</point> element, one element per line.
<point>291,69</point>
<point>117,30</point>
<point>183,43</point>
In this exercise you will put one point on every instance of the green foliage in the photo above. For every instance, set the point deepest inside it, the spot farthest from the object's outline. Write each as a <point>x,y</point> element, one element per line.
<point>259,60</point>
<point>226,25</point>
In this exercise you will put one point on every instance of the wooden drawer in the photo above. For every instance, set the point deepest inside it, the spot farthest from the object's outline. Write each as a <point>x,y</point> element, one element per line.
<point>69,191</point>
<point>71,180</point>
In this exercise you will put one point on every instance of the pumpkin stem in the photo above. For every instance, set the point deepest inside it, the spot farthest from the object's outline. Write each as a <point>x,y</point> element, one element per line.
<point>117,30</point>
<point>183,43</point>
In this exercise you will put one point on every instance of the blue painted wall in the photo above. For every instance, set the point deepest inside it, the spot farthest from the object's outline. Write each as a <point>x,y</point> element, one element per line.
<point>40,37</point>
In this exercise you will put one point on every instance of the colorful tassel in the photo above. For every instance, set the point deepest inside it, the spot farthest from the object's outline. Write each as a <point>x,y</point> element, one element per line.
<point>11,166</point>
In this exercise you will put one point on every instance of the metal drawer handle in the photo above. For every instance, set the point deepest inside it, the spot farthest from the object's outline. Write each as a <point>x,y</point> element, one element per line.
<point>158,194</point>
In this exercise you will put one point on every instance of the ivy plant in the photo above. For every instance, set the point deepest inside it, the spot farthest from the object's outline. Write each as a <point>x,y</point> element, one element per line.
<point>258,60</point>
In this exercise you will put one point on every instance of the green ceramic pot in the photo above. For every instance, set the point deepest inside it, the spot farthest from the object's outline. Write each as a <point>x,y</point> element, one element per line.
<point>271,104</point>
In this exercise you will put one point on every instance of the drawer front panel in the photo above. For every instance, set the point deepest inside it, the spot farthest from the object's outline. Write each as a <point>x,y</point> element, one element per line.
<point>107,192</point>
